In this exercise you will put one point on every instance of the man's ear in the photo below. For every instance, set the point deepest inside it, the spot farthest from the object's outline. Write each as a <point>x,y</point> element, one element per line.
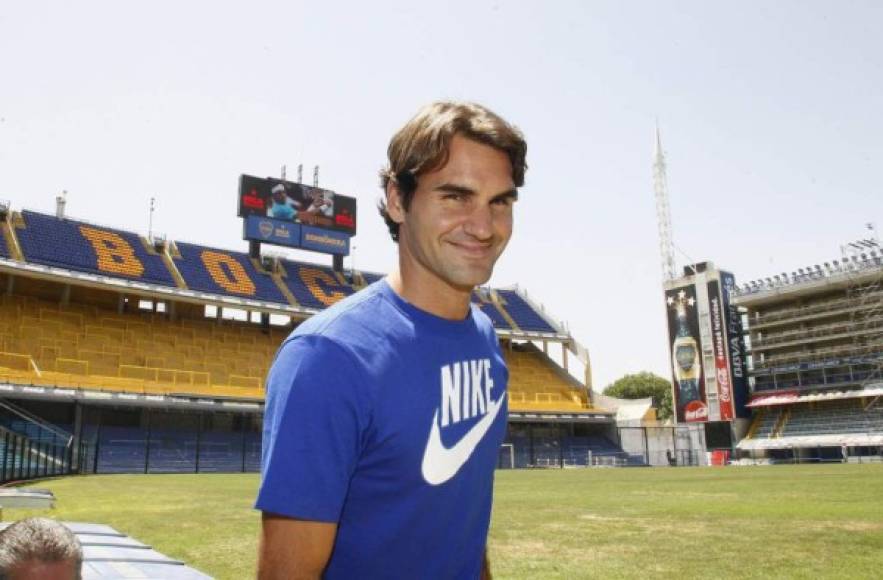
<point>394,206</point>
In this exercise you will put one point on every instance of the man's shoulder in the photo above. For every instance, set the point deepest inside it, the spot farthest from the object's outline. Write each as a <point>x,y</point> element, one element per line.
<point>347,320</point>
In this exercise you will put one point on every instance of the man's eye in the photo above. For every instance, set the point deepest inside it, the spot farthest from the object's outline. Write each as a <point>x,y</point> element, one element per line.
<point>454,196</point>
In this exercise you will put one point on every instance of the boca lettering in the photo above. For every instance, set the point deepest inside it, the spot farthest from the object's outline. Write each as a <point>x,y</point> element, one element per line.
<point>227,272</point>
<point>322,286</point>
<point>115,255</point>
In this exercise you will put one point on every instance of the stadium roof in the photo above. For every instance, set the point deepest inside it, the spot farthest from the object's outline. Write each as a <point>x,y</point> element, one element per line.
<point>788,397</point>
<point>802,441</point>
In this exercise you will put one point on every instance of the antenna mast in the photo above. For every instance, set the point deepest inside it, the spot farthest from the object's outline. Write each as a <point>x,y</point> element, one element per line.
<point>150,219</point>
<point>663,212</point>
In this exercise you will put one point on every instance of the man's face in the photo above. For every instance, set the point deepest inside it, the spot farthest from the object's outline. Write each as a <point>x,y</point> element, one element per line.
<point>279,196</point>
<point>459,220</point>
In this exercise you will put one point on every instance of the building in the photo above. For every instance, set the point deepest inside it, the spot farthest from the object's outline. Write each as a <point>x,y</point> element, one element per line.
<point>815,349</point>
<point>707,354</point>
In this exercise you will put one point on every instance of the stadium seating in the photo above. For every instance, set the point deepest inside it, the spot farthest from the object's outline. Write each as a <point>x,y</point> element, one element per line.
<point>371,277</point>
<point>74,245</point>
<point>77,345</point>
<point>492,311</point>
<point>536,384</point>
<point>315,286</point>
<point>525,317</point>
<point>833,417</point>
<point>225,272</point>
<point>765,422</point>
<point>4,252</point>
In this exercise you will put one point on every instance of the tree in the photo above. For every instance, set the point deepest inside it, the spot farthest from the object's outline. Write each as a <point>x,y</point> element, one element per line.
<point>640,386</point>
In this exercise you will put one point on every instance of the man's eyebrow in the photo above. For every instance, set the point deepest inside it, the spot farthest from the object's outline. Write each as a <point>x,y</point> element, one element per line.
<point>512,194</point>
<point>464,190</point>
<point>454,188</point>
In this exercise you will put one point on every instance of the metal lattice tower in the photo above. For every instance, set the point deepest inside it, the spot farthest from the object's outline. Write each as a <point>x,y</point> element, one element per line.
<point>663,213</point>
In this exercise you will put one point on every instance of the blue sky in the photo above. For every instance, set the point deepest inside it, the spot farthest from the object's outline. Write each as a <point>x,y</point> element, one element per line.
<point>770,119</point>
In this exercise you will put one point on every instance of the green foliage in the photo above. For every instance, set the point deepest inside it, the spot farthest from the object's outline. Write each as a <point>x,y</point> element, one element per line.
<point>642,385</point>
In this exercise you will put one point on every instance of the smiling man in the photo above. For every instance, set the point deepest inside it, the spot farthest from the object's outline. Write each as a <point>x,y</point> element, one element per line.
<point>385,413</point>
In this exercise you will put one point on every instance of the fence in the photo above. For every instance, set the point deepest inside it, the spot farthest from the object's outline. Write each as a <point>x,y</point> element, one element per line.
<point>22,458</point>
<point>679,445</point>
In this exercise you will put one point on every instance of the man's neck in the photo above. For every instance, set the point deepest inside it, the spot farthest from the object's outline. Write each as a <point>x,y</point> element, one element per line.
<point>439,298</point>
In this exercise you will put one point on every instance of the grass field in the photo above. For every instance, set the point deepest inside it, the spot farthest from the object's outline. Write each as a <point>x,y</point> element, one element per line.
<point>751,522</point>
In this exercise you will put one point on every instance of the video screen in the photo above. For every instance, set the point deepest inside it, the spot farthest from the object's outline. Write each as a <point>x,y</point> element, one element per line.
<point>297,203</point>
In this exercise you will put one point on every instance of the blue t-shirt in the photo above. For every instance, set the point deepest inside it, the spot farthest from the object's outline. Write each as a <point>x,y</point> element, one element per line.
<point>387,420</point>
<point>282,211</point>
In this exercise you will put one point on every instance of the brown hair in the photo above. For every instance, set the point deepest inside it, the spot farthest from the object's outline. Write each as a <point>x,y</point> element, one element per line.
<point>422,145</point>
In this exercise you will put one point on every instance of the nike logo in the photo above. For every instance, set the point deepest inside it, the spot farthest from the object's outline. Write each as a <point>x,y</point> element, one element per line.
<point>441,463</point>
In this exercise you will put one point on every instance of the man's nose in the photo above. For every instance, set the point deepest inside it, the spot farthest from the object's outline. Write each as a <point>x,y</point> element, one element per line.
<point>479,223</point>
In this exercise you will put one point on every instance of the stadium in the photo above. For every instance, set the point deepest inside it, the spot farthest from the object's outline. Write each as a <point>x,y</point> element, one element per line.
<point>124,354</point>
<point>145,355</point>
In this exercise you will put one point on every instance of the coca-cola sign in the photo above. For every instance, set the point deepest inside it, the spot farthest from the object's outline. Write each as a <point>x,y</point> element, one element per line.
<point>718,343</point>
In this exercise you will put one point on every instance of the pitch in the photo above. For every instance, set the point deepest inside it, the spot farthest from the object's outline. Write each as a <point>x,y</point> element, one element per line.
<point>822,521</point>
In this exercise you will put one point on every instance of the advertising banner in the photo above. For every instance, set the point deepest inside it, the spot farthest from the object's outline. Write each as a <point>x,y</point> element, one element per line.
<point>272,231</point>
<point>296,203</point>
<point>719,347</point>
<point>735,346</point>
<point>321,240</point>
<point>683,331</point>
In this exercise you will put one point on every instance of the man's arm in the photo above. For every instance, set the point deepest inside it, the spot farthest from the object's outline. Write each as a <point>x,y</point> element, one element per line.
<point>293,549</point>
<point>485,567</point>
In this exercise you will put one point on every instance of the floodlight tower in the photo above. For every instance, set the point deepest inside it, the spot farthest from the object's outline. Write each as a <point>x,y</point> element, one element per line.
<point>663,212</point>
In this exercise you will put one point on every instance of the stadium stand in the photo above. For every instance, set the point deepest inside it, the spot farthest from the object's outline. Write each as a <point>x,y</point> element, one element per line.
<point>525,317</point>
<point>74,245</point>
<point>146,375</point>
<point>847,416</point>
<point>86,346</point>
<point>815,341</point>
<point>225,272</point>
<point>4,252</point>
<point>536,383</point>
<point>315,286</point>
<point>490,308</point>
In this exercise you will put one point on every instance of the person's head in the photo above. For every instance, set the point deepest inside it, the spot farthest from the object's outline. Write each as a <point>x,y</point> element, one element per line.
<point>452,176</point>
<point>278,193</point>
<point>39,549</point>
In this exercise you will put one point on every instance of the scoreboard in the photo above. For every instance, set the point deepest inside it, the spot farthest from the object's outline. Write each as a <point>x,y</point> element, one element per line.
<point>292,214</point>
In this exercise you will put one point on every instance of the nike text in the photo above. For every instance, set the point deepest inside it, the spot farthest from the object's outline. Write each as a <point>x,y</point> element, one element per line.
<point>465,390</point>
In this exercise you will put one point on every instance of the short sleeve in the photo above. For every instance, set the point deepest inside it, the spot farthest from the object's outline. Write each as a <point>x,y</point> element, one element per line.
<point>315,418</point>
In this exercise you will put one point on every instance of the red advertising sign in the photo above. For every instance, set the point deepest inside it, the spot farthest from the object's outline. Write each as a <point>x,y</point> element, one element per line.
<point>721,366</point>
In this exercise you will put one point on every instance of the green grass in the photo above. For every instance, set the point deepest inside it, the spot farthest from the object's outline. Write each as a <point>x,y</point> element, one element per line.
<point>751,522</point>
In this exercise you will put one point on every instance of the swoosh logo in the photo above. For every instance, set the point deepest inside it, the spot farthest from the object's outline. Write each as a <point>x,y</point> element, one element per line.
<point>441,463</point>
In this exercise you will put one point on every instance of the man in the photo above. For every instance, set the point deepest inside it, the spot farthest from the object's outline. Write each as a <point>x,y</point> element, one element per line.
<point>282,207</point>
<point>385,412</point>
<point>39,549</point>
<point>320,204</point>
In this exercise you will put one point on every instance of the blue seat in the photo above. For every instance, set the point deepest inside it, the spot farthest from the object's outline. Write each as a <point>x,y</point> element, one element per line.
<point>74,245</point>
<point>314,285</point>
<point>225,272</point>
<point>524,316</point>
